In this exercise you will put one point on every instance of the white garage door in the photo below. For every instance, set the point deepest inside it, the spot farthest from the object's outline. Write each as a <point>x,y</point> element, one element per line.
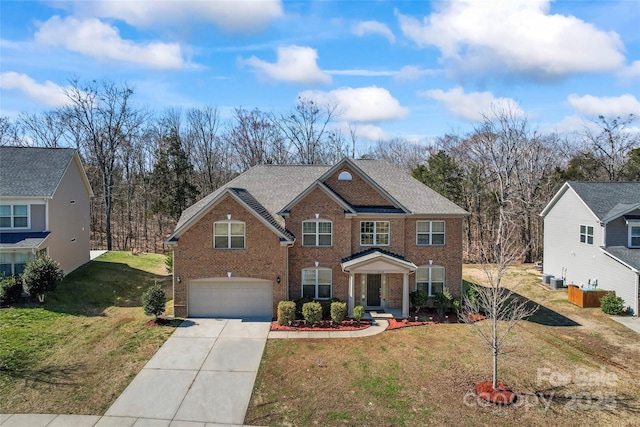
<point>230,298</point>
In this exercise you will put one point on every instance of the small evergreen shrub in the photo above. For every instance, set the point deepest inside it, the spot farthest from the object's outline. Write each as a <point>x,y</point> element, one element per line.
<point>611,304</point>
<point>338,312</point>
<point>312,312</point>
<point>286,312</point>
<point>154,300</point>
<point>326,307</point>
<point>10,289</point>
<point>443,301</point>
<point>299,303</point>
<point>418,299</point>
<point>41,275</point>
<point>358,313</point>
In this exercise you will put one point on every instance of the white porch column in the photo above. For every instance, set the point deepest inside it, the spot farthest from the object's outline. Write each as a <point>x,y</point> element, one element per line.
<point>352,279</point>
<point>405,295</point>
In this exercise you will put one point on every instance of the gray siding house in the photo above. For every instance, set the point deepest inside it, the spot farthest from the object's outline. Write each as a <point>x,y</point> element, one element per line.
<point>44,208</point>
<point>592,234</point>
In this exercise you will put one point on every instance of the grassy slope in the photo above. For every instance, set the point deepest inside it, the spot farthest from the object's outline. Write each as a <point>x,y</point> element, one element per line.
<point>420,376</point>
<point>79,350</point>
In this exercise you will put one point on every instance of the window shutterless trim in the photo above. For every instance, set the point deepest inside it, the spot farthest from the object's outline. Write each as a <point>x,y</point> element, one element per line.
<point>229,235</point>
<point>375,233</point>
<point>317,233</point>
<point>431,233</point>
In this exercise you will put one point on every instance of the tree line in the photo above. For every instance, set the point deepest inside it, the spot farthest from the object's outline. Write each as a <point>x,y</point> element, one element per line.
<point>146,167</point>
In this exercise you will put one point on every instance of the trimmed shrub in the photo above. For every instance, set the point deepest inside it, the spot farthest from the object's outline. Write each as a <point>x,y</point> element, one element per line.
<point>443,301</point>
<point>338,312</point>
<point>326,307</point>
<point>358,313</point>
<point>41,275</point>
<point>299,303</point>
<point>10,289</point>
<point>312,312</point>
<point>154,300</point>
<point>611,304</point>
<point>418,299</point>
<point>286,312</point>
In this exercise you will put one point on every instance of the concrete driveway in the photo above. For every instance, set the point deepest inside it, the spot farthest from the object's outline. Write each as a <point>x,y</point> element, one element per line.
<point>203,373</point>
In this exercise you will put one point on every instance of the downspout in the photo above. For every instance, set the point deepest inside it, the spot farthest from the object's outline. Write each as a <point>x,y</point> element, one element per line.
<point>286,269</point>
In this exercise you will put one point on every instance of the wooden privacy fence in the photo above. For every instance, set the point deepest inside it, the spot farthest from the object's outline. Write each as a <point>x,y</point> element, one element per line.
<point>582,298</point>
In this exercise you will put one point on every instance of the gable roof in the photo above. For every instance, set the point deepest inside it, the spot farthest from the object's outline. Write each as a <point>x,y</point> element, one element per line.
<point>34,171</point>
<point>606,200</point>
<point>268,189</point>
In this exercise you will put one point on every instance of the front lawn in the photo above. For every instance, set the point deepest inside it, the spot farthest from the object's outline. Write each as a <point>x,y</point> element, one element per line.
<point>77,352</point>
<point>425,375</point>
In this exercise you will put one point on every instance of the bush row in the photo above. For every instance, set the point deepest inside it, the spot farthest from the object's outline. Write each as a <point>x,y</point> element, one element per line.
<point>313,312</point>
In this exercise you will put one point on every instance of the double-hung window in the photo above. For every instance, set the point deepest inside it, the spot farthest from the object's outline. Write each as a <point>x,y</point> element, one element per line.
<point>374,233</point>
<point>316,233</point>
<point>13,263</point>
<point>586,234</point>
<point>634,236</point>
<point>429,233</point>
<point>228,235</point>
<point>316,283</point>
<point>430,280</point>
<point>14,216</point>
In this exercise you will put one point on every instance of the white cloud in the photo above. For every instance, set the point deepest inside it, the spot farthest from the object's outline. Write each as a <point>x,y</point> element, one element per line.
<point>608,106</point>
<point>361,73</point>
<point>411,72</point>
<point>373,27</point>
<point>94,38</point>
<point>296,64</point>
<point>47,93</point>
<point>515,36</point>
<point>364,104</point>
<point>230,16</point>
<point>473,106</point>
<point>630,74</point>
<point>366,131</point>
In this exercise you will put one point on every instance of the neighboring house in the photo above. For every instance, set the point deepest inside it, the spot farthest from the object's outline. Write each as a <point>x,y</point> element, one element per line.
<point>362,231</point>
<point>592,236</point>
<point>44,208</point>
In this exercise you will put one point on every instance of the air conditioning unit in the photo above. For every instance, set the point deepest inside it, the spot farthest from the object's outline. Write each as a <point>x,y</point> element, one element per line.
<point>557,283</point>
<point>546,278</point>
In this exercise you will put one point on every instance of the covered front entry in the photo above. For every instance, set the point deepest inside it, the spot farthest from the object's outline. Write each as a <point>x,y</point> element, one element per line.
<point>234,298</point>
<point>374,267</point>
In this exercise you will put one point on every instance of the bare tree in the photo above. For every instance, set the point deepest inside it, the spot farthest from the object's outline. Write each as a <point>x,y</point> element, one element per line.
<point>402,153</point>
<point>612,144</point>
<point>307,127</point>
<point>43,129</point>
<point>101,117</point>
<point>9,132</point>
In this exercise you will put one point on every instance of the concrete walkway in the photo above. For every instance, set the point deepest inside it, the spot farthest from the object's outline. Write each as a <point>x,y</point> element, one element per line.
<point>632,323</point>
<point>95,254</point>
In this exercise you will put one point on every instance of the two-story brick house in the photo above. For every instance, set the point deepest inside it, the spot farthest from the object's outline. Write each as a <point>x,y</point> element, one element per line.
<point>44,208</point>
<point>362,231</point>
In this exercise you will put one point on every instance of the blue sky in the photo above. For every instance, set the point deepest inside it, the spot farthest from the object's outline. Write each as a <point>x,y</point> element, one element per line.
<point>412,69</point>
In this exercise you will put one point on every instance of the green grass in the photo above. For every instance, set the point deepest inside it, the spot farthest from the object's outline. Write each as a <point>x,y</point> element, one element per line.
<point>76,352</point>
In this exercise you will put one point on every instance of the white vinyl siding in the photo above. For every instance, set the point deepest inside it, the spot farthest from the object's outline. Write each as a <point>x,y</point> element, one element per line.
<point>317,233</point>
<point>316,283</point>
<point>430,279</point>
<point>430,233</point>
<point>229,235</point>
<point>374,233</point>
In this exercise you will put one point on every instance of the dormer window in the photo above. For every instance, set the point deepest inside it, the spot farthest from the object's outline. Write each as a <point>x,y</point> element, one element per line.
<point>634,236</point>
<point>345,176</point>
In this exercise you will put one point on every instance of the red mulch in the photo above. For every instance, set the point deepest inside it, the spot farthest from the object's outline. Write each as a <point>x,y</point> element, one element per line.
<point>476,317</point>
<point>502,395</point>
<point>325,325</point>
<point>422,320</point>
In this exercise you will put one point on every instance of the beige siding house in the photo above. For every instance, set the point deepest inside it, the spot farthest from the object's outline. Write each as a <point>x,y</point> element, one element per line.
<point>44,207</point>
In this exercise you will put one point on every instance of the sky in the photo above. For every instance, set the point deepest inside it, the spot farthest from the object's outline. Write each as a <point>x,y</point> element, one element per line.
<point>408,69</point>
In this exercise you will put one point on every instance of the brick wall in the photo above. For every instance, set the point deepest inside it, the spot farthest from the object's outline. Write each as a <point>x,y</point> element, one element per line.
<point>195,258</point>
<point>357,191</point>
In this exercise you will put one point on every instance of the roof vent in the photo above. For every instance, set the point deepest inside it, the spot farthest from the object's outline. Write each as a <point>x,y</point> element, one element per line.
<point>345,176</point>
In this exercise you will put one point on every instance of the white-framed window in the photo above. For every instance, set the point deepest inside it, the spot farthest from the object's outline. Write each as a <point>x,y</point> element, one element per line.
<point>634,236</point>
<point>14,216</point>
<point>430,279</point>
<point>345,176</point>
<point>430,233</point>
<point>586,234</point>
<point>13,263</point>
<point>228,235</point>
<point>374,233</point>
<point>317,233</point>
<point>316,283</point>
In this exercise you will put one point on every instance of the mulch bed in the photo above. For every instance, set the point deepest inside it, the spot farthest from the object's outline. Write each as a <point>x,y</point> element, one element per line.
<point>325,325</point>
<point>502,395</point>
<point>429,320</point>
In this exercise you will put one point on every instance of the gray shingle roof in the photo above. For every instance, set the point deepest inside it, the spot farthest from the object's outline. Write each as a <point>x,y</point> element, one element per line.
<point>31,171</point>
<point>608,200</point>
<point>628,256</point>
<point>269,188</point>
